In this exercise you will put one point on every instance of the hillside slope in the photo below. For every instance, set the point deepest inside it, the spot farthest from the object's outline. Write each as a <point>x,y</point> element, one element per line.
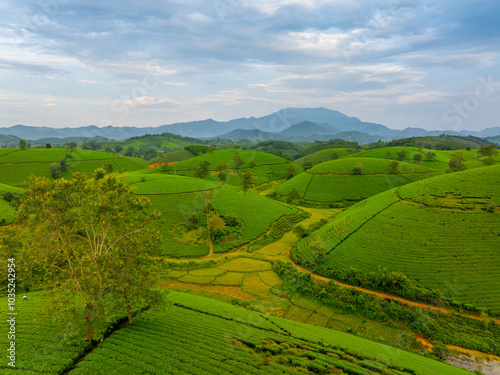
<point>443,232</point>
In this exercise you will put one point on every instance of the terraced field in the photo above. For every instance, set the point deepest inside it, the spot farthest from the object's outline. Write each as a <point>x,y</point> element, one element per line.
<point>439,161</point>
<point>17,165</point>
<point>177,196</point>
<point>437,231</point>
<point>264,167</point>
<point>203,336</point>
<point>323,155</point>
<point>335,183</point>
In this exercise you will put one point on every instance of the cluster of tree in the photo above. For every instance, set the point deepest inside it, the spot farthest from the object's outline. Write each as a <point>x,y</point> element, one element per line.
<point>311,148</point>
<point>441,142</point>
<point>488,151</point>
<point>456,163</point>
<point>282,149</point>
<point>436,326</point>
<point>198,149</point>
<point>301,231</point>
<point>56,170</point>
<point>89,247</point>
<point>220,227</point>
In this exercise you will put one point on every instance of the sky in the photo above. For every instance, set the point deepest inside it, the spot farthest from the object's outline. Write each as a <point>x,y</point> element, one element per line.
<point>429,64</point>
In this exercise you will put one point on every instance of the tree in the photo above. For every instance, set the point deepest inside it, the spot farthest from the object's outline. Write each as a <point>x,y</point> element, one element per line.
<point>394,167</point>
<point>431,155</point>
<point>300,231</point>
<point>417,158</point>
<point>118,148</point>
<point>93,239</point>
<point>401,155</point>
<point>307,164</point>
<point>222,171</point>
<point>456,163</point>
<point>357,169</point>
<point>290,171</point>
<point>48,145</point>
<point>238,161</point>
<point>388,154</point>
<point>22,144</point>
<point>55,171</point>
<point>129,151</point>
<point>335,155</point>
<point>246,181</point>
<point>202,170</point>
<point>341,226</point>
<point>72,146</point>
<point>108,167</point>
<point>489,151</point>
<point>293,195</point>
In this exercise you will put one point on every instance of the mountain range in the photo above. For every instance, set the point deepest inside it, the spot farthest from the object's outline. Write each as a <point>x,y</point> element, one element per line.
<point>291,124</point>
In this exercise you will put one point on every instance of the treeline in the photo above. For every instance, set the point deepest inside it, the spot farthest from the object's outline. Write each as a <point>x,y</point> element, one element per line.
<point>436,326</point>
<point>441,142</point>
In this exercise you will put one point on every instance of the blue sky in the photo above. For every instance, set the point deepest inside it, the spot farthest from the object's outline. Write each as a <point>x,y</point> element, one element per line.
<point>429,64</point>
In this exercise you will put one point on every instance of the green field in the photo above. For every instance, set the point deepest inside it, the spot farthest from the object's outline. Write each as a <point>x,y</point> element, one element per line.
<point>177,196</point>
<point>436,231</point>
<point>17,165</point>
<point>199,335</point>
<point>7,210</point>
<point>322,156</point>
<point>334,182</point>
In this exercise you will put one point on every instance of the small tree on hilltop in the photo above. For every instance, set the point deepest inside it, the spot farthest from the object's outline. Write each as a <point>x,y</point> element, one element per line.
<point>456,163</point>
<point>22,144</point>
<point>431,155</point>
<point>72,146</point>
<point>401,155</point>
<point>388,154</point>
<point>335,155</point>
<point>357,169</point>
<point>417,158</point>
<point>489,151</point>
<point>307,164</point>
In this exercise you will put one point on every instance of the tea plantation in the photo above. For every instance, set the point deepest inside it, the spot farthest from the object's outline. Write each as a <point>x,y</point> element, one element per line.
<point>443,232</point>
<point>338,183</point>
<point>199,335</point>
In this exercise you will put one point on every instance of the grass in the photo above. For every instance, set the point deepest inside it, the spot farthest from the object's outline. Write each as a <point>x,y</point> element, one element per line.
<point>253,284</point>
<point>230,279</point>
<point>322,156</point>
<point>436,231</point>
<point>334,182</point>
<point>17,165</point>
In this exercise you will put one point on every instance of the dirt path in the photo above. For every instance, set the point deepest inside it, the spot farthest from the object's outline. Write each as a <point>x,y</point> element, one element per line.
<point>383,295</point>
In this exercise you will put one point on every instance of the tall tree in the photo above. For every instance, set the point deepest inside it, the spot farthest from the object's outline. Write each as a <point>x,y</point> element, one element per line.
<point>22,144</point>
<point>92,239</point>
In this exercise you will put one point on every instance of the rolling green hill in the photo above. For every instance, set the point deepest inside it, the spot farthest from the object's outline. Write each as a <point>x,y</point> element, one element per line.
<point>323,155</point>
<point>335,182</point>
<point>17,165</point>
<point>439,161</point>
<point>443,232</point>
<point>263,166</point>
<point>199,335</point>
<point>177,196</point>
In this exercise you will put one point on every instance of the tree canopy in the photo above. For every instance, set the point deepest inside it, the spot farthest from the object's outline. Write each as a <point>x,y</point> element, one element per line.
<point>92,240</point>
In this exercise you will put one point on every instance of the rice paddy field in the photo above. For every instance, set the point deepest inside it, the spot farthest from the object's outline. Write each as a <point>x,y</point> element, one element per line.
<point>17,165</point>
<point>199,335</point>
<point>334,182</point>
<point>443,231</point>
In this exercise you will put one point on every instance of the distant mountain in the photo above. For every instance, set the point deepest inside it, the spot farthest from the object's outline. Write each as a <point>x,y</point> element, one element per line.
<point>308,128</point>
<point>282,122</point>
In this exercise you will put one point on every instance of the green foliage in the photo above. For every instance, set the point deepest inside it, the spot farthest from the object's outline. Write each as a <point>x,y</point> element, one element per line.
<point>290,171</point>
<point>417,158</point>
<point>247,182</point>
<point>198,149</point>
<point>456,163</point>
<point>202,170</point>
<point>401,155</point>
<point>92,240</point>
<point>22,144</point>
<point>357,169</point>
<point>394,167</point>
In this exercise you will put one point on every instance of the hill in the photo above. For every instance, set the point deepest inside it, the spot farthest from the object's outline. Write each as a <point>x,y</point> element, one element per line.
<point>338,184</point>
<point>264,167</point>
<point>442,231</point>
<point>8,203</point>
<point>178,197</point>
<point>441,142</point>
<point>17,165</point>
<point>199,335</point>
<point>323,155</point>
